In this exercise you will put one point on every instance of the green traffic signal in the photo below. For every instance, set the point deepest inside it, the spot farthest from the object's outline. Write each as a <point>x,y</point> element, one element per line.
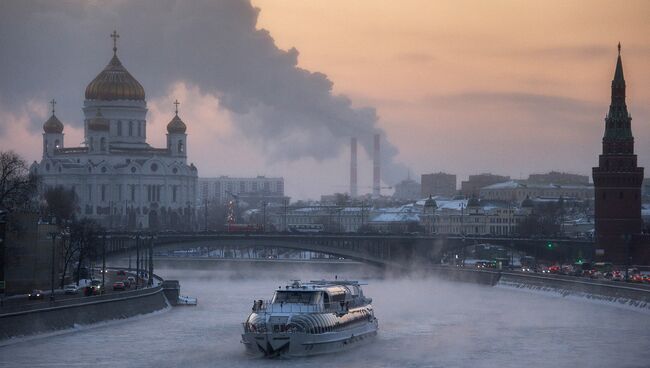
<point>549,245</point>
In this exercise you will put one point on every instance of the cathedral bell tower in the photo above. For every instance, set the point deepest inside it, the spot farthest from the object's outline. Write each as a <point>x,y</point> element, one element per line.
<point>52,134</point>
<point>176,136</point>
<point>617,181</point>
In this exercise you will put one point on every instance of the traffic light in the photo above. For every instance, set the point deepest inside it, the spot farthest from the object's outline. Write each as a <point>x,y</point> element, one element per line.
<point>549,245</point>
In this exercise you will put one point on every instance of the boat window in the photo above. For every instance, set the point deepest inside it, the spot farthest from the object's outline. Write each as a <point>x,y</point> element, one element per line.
<point>302,297</point>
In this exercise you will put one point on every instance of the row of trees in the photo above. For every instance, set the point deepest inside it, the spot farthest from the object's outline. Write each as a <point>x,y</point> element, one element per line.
<point>19,192</point>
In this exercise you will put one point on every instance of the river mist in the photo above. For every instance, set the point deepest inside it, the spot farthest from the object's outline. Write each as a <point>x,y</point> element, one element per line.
<point>424,322</point>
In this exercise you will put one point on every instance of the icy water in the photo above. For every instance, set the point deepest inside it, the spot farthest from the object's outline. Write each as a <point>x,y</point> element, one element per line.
<point>423,323</point>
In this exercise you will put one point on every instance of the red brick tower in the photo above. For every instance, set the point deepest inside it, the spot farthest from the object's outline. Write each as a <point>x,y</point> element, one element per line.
<point>617,181</point>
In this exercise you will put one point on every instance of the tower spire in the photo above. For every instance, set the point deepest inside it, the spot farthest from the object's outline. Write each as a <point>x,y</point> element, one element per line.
<point>115,36</point>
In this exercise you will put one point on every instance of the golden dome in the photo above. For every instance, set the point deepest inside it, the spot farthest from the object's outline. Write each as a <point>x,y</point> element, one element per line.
<point>176,125</point>
<point>53,125</point>
<point>114,83</point>
<point>98,123</point>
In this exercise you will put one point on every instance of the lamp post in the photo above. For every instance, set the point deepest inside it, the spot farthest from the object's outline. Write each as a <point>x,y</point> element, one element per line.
<point>103,262</point>
<point>151,241</point>
<point>137,259</point>
<point>628,238</point>
<point>53,235</point>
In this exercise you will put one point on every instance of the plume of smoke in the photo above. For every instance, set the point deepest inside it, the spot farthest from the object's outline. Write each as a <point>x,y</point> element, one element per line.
<point>57,48</point>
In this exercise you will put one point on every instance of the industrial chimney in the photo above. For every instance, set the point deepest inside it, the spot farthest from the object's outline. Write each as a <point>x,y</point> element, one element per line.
<point>353,167</point>
<point>376,188</point>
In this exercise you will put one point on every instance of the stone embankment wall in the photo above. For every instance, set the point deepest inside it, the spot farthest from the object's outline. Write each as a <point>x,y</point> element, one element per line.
<point>82,311</point>
<point>628,294</point>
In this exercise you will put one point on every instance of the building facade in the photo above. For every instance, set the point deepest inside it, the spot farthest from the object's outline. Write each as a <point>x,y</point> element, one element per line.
<point>561,178</point>
<point>252,191</point>
<point>617,181</point>
<point>518,191</point>
<point>472,186</point>
<point>438,184</point>
<point>118,178</point>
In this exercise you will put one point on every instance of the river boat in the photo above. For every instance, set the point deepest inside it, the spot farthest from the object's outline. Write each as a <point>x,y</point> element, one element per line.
<point>310,318</point>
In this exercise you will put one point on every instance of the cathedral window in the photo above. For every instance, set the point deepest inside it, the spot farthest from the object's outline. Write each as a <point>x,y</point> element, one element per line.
<point>154,167</point>
<point>103,190</point>
<point>133,169</point>
<point>90,193</point>
<point>130,128</point>
<point>92,143</point>
<point>56,144</point>
<point>102,144</point>
<point>119,127</point>
<point>132,192</point>
<point>180,146</point>
<point>174,188</point>
<point>139,129</point>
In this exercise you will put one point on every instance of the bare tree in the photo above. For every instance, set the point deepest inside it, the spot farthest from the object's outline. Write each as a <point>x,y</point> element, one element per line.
<point>16,184</point>
<point>61,204</point>
<point>84,236</point>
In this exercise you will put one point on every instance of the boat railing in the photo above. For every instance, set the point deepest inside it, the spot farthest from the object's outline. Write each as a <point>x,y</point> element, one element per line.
<point>267,306</point>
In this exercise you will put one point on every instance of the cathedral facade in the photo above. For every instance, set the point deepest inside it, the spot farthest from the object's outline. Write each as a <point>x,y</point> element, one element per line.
<point>118,178</point>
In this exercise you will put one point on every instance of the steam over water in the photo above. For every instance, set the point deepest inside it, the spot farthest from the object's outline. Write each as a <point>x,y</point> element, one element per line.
<point>423,323</point>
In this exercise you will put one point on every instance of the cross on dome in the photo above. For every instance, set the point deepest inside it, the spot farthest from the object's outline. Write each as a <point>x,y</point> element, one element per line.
<point>115,36</point>
<point>176,103</point>
<point>53,102</point>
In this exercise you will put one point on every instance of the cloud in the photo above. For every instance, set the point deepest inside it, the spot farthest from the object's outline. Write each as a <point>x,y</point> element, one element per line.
<point>290,112</point>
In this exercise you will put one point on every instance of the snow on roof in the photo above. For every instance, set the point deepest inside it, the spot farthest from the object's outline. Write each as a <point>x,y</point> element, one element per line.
<point>512,184</point>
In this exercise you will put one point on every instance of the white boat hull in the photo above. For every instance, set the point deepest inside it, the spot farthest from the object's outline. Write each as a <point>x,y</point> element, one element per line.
<point>296,344</point>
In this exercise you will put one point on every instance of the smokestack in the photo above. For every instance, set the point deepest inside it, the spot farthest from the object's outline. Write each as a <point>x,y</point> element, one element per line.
<point>376,189</point>
<point>353,167</point>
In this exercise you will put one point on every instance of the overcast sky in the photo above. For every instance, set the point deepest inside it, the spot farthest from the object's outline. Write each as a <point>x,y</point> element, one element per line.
<point>277,88</point>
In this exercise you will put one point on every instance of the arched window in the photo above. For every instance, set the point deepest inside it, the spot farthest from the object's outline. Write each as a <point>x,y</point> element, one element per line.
<point>119,127</point>
<point>102,144</point>
<point>56,144</point>
<point>130,128</point>
<point>180,146</point>
<point>139,129</point>
<point>92,144</point>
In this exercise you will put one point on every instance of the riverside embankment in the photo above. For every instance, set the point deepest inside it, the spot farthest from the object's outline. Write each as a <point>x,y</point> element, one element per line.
<point>632,295</point>
<point>68,313</point>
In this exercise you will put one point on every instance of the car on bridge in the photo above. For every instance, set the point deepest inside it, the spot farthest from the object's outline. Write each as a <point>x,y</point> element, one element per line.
<point>36,294</point>
<point>71,289</point>
<point>119,285</point>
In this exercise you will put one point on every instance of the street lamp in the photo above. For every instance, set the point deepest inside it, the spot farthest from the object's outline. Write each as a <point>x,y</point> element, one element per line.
<point>53,235</point>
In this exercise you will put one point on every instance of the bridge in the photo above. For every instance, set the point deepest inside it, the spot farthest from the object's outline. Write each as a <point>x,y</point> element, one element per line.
<point>391,250</point>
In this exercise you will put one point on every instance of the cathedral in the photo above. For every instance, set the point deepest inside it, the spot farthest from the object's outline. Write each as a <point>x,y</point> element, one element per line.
<point>119,179</point>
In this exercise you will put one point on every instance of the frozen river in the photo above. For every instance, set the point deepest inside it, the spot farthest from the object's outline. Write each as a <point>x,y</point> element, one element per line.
<point>423,323</point>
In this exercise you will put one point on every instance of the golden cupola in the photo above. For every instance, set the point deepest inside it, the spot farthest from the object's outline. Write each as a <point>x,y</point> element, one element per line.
<point>115,82</point>
<point>176,125</point>
<point>53,125</point>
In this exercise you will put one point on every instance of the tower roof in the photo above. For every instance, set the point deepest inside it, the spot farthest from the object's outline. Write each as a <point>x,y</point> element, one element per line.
<point>618,120</point>
<point>114,82</point>
<point>176,125</point>
<point>53,125</point>
<point>618,73</point>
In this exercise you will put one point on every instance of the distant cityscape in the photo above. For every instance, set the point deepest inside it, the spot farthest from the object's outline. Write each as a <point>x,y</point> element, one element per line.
<point>122,183</point>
